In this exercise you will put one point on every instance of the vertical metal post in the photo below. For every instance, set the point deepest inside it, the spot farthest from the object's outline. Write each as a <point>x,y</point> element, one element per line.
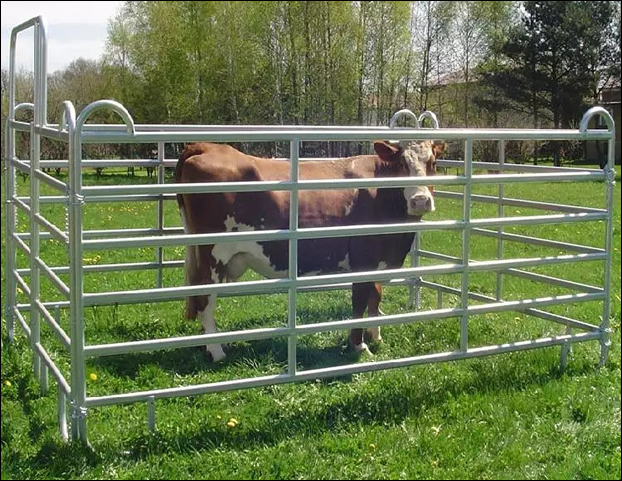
<point>35,315</point>
<point>610,174</point>
<point>414,284</point>
<point>500,213</point>
<point>41,59</point>
<point>294,147</point>
<point>10,218</point>
<point>160,215</point>
<point>62,413</point>
<point>40,118</point>
<point>466,242</point>
<point>44,379</point>
<point>563,359</point>
<point>78,369</point>
<point>151,423</point>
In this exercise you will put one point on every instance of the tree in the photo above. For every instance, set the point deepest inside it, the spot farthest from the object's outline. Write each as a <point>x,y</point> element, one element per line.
<point>553,60</point>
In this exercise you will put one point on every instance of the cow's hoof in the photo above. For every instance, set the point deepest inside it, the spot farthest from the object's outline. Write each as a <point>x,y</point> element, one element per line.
<point>217,353</point>
<point>374,334</point>
<point>363,349</point>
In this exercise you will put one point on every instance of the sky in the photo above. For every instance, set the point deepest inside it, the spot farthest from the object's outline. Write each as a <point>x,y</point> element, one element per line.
<point>74,30</point>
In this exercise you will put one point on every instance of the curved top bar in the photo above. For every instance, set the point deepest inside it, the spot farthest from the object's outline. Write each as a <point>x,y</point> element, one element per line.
<point>404,112</point>
<point>41,100</point>
<point>40,66</point>
<point>430,115</point>
<point>106,104</point>
<point>68,117</point>
<point>24,25</point>
<point>22,106</point>
<point>587,116</point>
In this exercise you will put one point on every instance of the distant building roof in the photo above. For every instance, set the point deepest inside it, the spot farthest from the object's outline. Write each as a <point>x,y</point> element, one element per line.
<point>452,78</point>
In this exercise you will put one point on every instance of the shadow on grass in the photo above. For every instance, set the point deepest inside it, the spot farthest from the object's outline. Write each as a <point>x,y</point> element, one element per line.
<point>389,403</point>
<point>187,361</point>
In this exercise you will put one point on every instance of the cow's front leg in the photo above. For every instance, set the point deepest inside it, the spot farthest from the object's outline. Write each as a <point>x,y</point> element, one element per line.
<point>373,310</point>
<point>360,295</point>
<point>209,327</point>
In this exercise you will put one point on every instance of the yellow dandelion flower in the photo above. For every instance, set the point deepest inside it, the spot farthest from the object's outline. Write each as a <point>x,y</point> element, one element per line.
<point>93,376</point>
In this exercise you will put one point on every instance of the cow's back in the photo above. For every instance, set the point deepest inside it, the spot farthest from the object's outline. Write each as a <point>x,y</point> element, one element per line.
<point>217,212</point>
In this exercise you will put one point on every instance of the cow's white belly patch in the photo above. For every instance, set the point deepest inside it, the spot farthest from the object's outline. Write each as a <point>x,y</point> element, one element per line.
<point>240,256</point>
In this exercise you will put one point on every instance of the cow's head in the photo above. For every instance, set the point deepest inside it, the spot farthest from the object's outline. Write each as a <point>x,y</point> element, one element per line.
<point>418,159</point>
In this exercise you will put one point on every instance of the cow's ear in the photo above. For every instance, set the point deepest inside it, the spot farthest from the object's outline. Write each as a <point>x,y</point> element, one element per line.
<point>385,150</point>
<point>438,147</point>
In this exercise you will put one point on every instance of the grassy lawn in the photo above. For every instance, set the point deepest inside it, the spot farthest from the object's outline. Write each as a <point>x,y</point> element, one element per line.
<point>510,416</point>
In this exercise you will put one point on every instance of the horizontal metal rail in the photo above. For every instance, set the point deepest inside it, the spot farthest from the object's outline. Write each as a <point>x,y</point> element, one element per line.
<point>532,276</point>
<point>51,181</point>
<point>336,231</point>
<point>129,266</point>
<point>21,205</point>
<point>328,134</point>
<point>270,235</point>
<point>519,202</point>
<point>564,320</point>
<point>51,275</point>
<point>439,256</point>
<point>312,374</point>
<point>524,274</point>
<point>47,304</point>
<point>285,185</point>
<point>22,322</point>
<point>21,165</point>
<point>538,241</point>
<point>505,167</point>
<point>447,163</point>
<point>278,285</point>
<point>21,244</point>
<point>271,185</point>
<point>54,231</point>
<point>536,220</point>
<point>567,321</point>
<point>56,328</point>
<point>22,284</point>
<point>502,264</point>
<point>262,286</point>
<point>62,382</point>
<point>105,233</point>
<point>265,333</point>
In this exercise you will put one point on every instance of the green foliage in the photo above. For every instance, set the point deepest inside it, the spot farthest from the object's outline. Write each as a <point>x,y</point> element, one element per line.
<point>557,59</point>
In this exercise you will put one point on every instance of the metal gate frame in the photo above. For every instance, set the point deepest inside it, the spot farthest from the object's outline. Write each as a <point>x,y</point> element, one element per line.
<point>75,132</point>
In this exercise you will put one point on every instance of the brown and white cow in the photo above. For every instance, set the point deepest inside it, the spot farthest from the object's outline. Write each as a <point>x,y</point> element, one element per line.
<point>228,212</point>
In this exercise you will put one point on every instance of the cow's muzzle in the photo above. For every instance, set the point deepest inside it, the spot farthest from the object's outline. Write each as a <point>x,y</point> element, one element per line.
<point>421,204</point>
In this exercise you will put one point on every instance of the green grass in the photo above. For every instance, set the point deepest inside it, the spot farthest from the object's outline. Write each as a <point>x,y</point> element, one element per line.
<point>510,416</point>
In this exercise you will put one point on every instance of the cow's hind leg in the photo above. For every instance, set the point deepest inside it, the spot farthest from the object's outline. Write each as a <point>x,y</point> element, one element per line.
<point>198,271</point>
<point>209,327</point>
<point>373,310</point>
<point>360,296</point>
